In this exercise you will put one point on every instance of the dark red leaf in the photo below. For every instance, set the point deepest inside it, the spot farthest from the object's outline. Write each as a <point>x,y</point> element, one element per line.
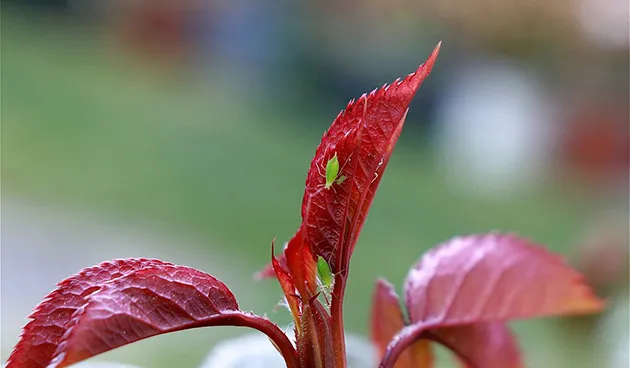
<point>120,302</point>
<point>363,137</point>
<point>481,280</point>
<point>387,320</point>
<point>52,317</point>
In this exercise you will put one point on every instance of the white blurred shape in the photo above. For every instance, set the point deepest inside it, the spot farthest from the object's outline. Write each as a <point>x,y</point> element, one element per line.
<point>249,351</point>
<point>494,129</point>
<point>614,336</point>
<point>605,22</point>
<point>103,365</point>
<point>256,351</point>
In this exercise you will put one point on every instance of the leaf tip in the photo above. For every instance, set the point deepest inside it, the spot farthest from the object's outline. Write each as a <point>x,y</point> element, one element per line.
<point>587,301</point>
<point>426,68</point>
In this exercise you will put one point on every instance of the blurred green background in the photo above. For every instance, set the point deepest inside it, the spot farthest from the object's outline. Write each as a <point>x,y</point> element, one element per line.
<point>201,124</point>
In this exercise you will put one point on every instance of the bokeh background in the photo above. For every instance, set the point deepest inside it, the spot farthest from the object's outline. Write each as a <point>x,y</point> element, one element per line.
<point>183,130</point>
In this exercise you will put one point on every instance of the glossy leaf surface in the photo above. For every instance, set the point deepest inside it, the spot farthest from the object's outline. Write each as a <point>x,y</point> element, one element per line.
<point>123,301</point>
<point>362,137</point>
<point>493,277</point>
<point>52,317</point>
<point>461,292</point>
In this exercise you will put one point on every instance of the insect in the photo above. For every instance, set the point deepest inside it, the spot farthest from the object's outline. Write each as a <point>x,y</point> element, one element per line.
<point>324,273</point>
<point>332,173</point>
<point>325,278</point>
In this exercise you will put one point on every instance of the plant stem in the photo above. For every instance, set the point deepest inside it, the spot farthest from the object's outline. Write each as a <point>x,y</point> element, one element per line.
<point>399,343</point>
<point>336,312</point>
<point>279,338</point>
<point>409,335</point>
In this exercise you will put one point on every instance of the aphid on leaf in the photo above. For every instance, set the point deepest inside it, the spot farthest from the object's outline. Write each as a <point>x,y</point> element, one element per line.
<point>324,273</point>
<point>332,173</point>
<point>325,278</point>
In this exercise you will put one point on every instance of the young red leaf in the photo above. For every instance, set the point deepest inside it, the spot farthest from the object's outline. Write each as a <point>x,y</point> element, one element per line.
<point>387,320</point>
<point>302,266</point>
<point>362,138</point>
<point>288,288</point>
<point>120,302</point>
<point>488,278</point>
<point>340,186</point>
<point>298,279</point>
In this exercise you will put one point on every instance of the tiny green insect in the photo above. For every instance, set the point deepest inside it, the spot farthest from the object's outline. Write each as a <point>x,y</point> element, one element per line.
<point>324,273</point>
<point>332,173</point>
<point>325,279</point>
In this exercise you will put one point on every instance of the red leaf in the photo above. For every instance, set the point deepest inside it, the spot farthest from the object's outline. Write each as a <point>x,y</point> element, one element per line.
<point>387,320</point>
<point>302,266</point>
<point>288,288</point>
<point>483,280</point>
<point>51,318</point>
<point>340,186</point>
<point>123,301</point>
<point>493,277</point>
<point>487,345</point>
<point>298,275</point>
<point>363,137</point>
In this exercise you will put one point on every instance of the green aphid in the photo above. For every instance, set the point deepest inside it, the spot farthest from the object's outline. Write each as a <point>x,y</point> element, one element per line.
<point>324,273</point>
<point>332,173</point>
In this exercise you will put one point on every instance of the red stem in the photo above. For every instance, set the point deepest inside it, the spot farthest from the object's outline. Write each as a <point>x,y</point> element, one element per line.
<point>270,329</point>
<point>336,312</point>
<point>409,335</point>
